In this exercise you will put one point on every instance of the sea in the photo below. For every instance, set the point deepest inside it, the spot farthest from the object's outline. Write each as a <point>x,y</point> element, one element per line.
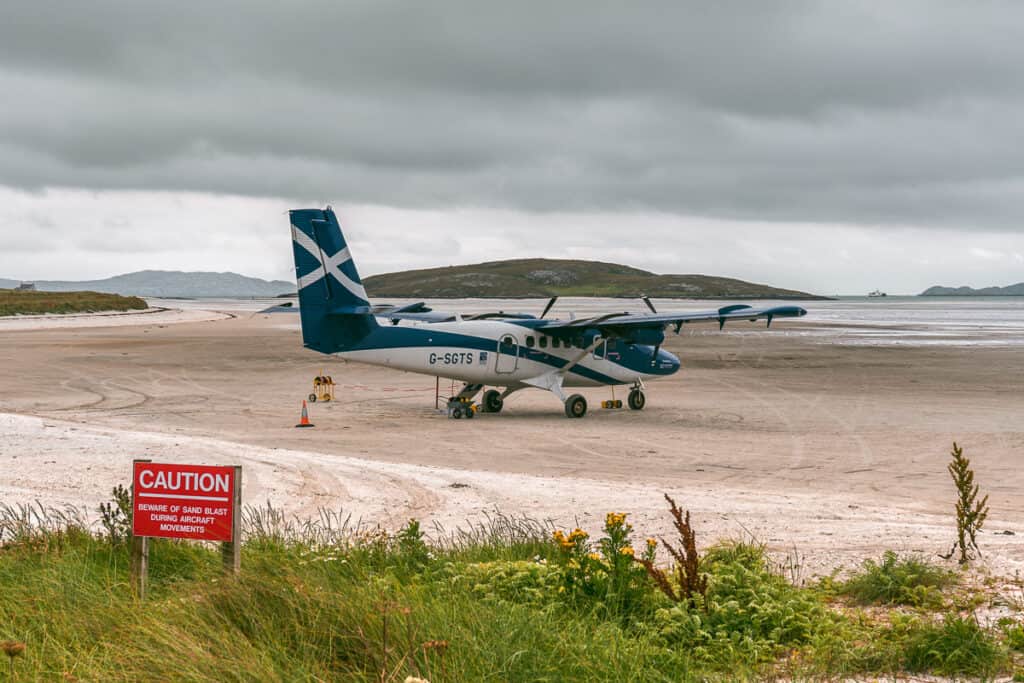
<point>847,320</point>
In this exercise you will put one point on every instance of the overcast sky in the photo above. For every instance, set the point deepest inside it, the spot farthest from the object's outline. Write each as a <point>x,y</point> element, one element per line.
<point>826,146</point>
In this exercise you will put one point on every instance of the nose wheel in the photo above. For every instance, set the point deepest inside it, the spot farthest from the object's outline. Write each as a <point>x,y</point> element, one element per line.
<point>637,400</point>
<point>493,403</point>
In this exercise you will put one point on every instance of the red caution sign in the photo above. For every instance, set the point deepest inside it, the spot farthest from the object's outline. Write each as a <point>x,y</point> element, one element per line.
<point>183,501</point>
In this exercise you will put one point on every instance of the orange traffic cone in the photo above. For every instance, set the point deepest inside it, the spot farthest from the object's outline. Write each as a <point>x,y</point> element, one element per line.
<point>304,420</point>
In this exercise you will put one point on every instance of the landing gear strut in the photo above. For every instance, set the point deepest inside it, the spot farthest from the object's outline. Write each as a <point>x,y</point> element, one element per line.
<point>575,406</point>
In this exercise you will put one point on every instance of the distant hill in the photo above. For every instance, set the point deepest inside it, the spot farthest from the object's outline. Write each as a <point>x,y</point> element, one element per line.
<point>35,303</point>
<point>169,283</point>
<point>536,278</point>
<point>1010,290</point>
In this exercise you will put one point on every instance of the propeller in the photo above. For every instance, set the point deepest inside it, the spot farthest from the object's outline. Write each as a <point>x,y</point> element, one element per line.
<point>551,302</point>
<point>647,300</point>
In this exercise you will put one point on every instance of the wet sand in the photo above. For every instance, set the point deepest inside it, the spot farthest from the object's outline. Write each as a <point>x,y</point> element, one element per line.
<point>835,451</point>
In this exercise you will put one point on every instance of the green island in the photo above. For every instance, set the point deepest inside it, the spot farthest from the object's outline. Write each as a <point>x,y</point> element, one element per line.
<point>14,302</point>
<point>506,599</point>
<point>538,278</point>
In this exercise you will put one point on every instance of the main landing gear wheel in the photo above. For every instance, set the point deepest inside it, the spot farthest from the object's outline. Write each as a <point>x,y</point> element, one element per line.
<point>493,402</point>
<point>457,413</point>
<point>637,400</point>
<point>575,406</point>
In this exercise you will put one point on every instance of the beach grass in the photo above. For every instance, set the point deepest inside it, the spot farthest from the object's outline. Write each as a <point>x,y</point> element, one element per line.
<point>507,599</point>
<point>14,302</point>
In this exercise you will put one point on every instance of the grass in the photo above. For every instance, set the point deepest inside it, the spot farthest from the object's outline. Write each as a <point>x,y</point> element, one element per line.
<point>506,599</point>
<point>14,302</point>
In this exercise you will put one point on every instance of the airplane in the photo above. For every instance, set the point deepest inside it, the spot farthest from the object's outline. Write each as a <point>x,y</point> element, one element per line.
<point>507,351</point>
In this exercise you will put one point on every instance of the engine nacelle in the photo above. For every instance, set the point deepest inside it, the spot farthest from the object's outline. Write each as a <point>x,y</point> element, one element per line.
<point>590,335</point>
<point>648,336</point>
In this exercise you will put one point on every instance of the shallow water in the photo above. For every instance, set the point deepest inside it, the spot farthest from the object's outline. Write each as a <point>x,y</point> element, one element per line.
<point>860,321</point>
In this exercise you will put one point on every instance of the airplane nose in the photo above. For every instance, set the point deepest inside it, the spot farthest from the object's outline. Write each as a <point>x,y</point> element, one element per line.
<point>668,362</point>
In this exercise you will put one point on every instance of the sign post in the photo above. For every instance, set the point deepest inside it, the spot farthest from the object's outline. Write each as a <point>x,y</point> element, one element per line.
<point>232,550</point>
<point>139,563</point>
<point>197,502</point>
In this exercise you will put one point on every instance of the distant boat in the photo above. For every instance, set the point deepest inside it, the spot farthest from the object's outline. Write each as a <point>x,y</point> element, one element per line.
<point>877,292</point>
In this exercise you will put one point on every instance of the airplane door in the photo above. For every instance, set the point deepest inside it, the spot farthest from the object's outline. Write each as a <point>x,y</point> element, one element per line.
<point>507,358</point>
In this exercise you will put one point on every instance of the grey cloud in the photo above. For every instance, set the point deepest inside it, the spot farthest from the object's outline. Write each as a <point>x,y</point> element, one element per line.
<point>859,112</point>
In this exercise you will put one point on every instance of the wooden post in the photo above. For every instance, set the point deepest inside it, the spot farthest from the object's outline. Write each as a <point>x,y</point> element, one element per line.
<point>231,551</point>
<point>139,563</point>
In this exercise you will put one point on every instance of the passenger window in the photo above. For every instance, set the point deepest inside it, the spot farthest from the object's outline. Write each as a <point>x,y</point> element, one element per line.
<point>543,342</point>
<point>529,341</point>
<point>554,342</point>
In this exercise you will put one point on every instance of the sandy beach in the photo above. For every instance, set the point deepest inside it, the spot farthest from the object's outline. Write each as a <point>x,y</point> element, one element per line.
<point>829,451</point>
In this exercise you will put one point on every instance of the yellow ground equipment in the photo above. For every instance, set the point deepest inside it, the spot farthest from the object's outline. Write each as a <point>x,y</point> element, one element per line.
<point>323,389</point>
<point>459,408</point>
<point>613,404</point>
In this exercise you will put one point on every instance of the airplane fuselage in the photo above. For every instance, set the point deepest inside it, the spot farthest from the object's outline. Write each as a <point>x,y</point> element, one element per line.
<point>504,353</point>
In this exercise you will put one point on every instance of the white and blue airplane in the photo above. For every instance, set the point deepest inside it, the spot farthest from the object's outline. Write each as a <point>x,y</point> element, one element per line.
<point>506,351</point>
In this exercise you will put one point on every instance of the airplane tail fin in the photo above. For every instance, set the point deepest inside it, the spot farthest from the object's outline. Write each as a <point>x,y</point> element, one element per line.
<point>333,305</point>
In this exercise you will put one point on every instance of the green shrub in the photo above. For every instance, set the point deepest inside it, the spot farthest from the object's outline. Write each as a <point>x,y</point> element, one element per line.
<point>957,646</point>
<point>116,515</point>
<point>1014,633</point>
<point>520,582</point>
<point>750,614</point>
<point>749,555</point>
<point>898,581</point>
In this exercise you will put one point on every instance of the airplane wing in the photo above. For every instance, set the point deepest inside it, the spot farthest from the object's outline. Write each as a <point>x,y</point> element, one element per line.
<point>621,324</point>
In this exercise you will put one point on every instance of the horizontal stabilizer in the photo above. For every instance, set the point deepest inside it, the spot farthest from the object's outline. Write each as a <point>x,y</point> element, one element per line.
<point>350,310</point>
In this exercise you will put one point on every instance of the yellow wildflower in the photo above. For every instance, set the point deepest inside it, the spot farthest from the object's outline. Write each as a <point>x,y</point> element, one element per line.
<point>628,550</point>
<point>558,536</point>
<point>594,556</point>
<point>578,534</point>
<point>614,519</point>
<point>652,543</point>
